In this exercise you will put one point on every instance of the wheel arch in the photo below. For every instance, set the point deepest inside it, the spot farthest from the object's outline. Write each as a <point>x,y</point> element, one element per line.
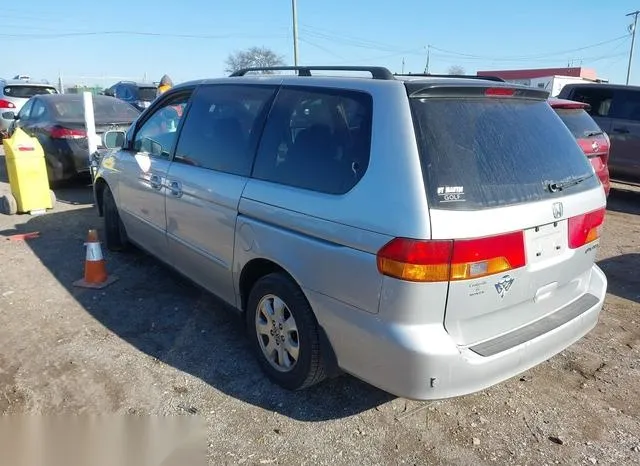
<point>257,268</point>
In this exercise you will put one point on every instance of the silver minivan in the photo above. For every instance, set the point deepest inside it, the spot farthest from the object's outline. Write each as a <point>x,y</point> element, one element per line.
<point>431,236</point>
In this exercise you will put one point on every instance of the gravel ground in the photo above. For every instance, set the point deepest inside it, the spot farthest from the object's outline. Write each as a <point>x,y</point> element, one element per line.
<point>152,343</point>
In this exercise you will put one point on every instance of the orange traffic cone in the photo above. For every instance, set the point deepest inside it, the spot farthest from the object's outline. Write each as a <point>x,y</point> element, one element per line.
<point>95,270</point>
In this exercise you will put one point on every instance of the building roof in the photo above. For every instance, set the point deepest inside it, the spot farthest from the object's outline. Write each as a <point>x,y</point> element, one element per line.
<point>575,72</point>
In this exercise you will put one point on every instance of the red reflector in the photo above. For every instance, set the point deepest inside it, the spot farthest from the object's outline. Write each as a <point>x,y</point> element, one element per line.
<point>584,229</point>
<point>499,91</point>
<point>571,105</point>
<point>6,104</point>
<point>26,148</point>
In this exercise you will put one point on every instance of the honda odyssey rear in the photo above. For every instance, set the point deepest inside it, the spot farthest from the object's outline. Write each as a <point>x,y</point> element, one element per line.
<point>515,215</point>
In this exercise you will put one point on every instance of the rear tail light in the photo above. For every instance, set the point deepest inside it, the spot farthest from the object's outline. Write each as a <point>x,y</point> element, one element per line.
<point>415,260</point>
<point>436,261</point>
<point>6,104</point>
<point>499,91</point>
<point>584,229</point>
<point>59,132</point>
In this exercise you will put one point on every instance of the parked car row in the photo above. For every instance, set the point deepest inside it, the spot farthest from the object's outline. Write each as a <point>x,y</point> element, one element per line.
<point>140,95</point>
<point>57,121</point>
<point>431,236</point>
<point>616,110</point>
<point>13,95</point>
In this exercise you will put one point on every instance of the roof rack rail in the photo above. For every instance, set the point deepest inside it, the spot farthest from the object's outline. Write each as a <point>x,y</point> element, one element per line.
<point>377,72</point>
<point>461,76</point>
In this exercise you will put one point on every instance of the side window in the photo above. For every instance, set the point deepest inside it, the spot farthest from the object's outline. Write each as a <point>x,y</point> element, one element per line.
<point>599,99</point>
<point>316,139</point>
<point>38,110</point>
<point>626,105</point>
<point>157,134</point>
<point>25,110</point>
<point>125,93</point>
<point>223,126</point>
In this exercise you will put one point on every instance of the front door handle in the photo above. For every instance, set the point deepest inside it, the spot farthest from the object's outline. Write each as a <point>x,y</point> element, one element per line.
<point>621,130</point>
<point>175,188</point>
<point>155,182</point>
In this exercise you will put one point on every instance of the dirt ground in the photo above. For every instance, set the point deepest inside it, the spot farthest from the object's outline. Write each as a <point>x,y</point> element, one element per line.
<point>152,343</point>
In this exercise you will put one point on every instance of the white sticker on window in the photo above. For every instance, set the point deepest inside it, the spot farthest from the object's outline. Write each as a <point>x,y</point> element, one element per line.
<point>451,193</point>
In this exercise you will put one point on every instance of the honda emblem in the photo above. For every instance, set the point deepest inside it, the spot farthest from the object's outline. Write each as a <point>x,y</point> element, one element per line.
<point>557,209</point>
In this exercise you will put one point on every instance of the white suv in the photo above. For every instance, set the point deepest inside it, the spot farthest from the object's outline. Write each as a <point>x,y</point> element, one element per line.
<point>432,236</point>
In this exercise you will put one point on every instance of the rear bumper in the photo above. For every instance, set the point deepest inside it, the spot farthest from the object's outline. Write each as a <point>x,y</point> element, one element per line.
<point>66,159</point>
<point>423,362</point>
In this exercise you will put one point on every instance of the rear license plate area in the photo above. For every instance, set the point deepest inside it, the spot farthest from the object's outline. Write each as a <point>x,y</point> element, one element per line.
<point>546,241</point>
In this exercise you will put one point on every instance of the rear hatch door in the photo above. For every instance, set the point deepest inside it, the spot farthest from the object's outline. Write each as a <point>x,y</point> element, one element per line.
<point>509,186</point>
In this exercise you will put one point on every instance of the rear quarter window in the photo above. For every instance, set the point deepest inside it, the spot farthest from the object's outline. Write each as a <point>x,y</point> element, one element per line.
<point>316,139</point>
<point>479,153</point>
<point>26,92</point>
<point>578,121</point>
<point>147,94</point>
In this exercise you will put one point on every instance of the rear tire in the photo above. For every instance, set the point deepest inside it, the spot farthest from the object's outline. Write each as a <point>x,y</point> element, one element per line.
<point>287,347</point>
<point>115,233</point>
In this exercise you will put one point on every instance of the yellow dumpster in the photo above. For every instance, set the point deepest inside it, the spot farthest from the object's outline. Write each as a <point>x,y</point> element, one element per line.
<point>27,172</point>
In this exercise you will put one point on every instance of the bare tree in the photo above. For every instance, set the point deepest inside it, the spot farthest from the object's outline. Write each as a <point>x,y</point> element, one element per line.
<point>456,69</point>
<point>253,57</point>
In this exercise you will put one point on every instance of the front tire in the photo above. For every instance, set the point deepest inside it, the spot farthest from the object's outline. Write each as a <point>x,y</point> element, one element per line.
<point>284,333</point>
<point>115,234</point>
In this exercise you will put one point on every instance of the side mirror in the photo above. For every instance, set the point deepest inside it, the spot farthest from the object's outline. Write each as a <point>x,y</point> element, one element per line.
<point>156,148</point>
<point>9,116</point>
<point>109,92</point>
<point>113,139</point>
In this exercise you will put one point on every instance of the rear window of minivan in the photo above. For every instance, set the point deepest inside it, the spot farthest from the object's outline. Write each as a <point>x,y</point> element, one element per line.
<point>579,122</point>
<point>26,92</point>
<point>488,152</point>
<point>147,94</point>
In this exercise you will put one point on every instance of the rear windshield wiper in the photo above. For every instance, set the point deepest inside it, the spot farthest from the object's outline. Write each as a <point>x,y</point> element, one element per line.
<point>588,134</point>
<point>560,185</point>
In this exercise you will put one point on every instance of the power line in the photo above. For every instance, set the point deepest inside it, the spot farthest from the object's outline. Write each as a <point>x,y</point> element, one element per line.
<point>449,54</point>
<point>609,54</point>
<point>132,33</point>
<point>324,49</point>
<point>331,35</point>
<point>349,42</point>
<point>530,57</point>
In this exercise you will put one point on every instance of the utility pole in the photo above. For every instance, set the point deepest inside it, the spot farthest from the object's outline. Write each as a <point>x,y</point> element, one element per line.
<point>633,40</point>
<point>426,66</point>
<point>295,32</point>
<point>402,66</point>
